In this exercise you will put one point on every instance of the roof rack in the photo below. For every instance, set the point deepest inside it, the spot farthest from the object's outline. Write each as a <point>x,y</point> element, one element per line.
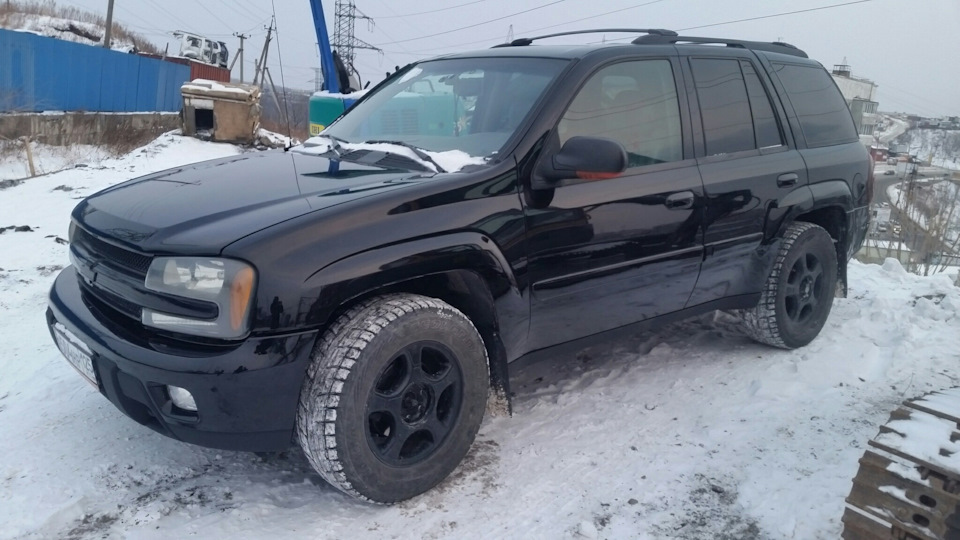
<point>776,46</point>
<point>522,42</point>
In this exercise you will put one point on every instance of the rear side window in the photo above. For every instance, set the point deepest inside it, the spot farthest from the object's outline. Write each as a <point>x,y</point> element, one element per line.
<point>724,106</point>
<point>821,110</point>
<point>764,120</point>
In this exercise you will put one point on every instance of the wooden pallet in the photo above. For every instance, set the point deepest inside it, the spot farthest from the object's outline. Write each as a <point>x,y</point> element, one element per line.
<point>908,485</point>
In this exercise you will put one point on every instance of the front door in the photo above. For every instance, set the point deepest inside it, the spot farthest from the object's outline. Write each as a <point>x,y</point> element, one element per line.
<point>610,252</point>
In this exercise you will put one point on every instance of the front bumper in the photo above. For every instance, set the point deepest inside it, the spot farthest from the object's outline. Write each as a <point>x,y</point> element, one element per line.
<point>246,393</point>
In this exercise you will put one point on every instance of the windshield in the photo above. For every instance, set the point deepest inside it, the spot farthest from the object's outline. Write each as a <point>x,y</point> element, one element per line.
<point>469,104</point>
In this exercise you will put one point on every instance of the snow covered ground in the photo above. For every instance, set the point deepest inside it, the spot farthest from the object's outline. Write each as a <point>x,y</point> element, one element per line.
<point>65,29</point>
<point>893,128</point>
<point>939,146</point>
<point>46,159</point>
<point>691,432</point>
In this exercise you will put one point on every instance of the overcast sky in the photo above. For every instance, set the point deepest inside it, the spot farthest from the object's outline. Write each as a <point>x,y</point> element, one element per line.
<point>908,47</point>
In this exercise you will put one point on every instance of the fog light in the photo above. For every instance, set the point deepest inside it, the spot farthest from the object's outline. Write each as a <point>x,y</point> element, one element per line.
<point>182,398</point>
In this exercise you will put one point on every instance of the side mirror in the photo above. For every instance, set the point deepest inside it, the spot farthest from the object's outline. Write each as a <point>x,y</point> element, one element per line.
<point>588,158</point>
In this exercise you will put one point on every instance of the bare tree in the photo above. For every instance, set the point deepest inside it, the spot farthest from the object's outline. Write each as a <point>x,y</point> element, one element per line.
<point>932,224</point>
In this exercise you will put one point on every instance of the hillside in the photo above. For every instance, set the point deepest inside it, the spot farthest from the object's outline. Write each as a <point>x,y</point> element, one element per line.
<point>940,146</point>
<point>69,24</point>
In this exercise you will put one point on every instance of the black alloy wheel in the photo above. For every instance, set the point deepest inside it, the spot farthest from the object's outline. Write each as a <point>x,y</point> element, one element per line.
<point>394,396</point>
<point>414,403</point>
<point>798,294</point>
<point>804,288</point>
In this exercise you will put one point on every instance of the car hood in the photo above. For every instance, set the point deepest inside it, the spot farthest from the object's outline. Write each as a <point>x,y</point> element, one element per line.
<point>201,208</point>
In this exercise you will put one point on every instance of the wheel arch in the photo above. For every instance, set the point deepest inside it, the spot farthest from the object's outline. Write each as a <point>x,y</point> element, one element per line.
<point>825,204</point>
<point>465,270</point>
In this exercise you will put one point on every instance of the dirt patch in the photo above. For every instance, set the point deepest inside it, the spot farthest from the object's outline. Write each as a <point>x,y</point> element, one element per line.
<point>90,525</point>
<point>5,184</point>
<point>711,512</point>
<point>478,466</point>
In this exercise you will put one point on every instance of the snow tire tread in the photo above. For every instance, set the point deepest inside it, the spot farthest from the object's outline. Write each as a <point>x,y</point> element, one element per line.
<point>760,322</point>
<point>333,359</point>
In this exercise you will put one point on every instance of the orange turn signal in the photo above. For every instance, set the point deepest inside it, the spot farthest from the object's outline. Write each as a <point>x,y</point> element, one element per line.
<point>240,290</point>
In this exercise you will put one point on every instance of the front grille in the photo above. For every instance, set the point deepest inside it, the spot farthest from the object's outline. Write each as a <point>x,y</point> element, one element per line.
<point>112,301</point>
<point>117,257</point>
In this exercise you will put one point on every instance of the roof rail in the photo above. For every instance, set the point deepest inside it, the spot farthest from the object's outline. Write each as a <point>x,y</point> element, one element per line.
<point>522,42</point>
<point>776,46</point>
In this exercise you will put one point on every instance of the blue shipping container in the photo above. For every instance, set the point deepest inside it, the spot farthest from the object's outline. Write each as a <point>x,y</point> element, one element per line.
<point>45,74</point>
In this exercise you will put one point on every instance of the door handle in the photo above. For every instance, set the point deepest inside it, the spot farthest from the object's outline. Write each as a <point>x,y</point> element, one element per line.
<point>679,201</point>
<point>788,179</point>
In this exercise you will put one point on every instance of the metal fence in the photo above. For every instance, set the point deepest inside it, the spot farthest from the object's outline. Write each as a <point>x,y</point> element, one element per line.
<point>45,74</point>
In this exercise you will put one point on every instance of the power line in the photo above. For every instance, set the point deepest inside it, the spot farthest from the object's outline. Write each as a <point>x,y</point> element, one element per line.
<point>488,40</point>
<point>477,24</point>
<point>185,26</point>
<point>214,15</point>
<point>755,18</point>
<point>253,6</point>
<point>428,11</point>
<point>283,82</point>
<point>236,4</point>
<point>774,15</point>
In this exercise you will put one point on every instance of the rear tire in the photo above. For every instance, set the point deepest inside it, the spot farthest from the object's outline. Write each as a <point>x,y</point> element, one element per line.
<point>799,292</point>
<point>393,397</point>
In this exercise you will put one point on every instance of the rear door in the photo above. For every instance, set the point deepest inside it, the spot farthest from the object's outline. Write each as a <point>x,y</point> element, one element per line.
<point>748,164</point>
<point>607,252</point>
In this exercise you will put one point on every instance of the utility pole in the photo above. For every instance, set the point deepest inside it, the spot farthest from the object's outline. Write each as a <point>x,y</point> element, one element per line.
<point>239,54</point>
<point>106,35</point>
<point>317,79</point>
<point>344,40</point>
<point>262,63</point>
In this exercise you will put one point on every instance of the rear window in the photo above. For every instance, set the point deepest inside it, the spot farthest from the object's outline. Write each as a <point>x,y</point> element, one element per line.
<point>821,110</point>
<point>724,105</point>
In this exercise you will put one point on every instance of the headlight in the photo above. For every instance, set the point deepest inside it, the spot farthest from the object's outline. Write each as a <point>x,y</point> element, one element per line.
<point>225,282</point>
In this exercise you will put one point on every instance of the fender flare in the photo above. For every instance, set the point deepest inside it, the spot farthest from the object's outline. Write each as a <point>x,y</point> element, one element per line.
<point>347,280</point>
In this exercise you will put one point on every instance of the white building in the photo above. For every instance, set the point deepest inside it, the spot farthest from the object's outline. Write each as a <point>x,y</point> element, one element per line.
<point>859,94</point>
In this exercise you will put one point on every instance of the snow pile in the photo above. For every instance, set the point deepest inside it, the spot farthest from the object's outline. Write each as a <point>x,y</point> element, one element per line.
<point>449,161</point>
<point>690,432</point>
<point>65,29</point>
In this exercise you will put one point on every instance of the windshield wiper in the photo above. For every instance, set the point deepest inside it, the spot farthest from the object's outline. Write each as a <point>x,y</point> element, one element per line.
<point>419,152</point>
<point>334,146</point>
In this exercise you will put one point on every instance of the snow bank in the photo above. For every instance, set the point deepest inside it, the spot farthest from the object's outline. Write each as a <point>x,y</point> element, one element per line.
<point>691,432</point>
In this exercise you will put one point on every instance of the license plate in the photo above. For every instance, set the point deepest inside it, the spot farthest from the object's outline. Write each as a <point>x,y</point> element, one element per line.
<point>76,352</point>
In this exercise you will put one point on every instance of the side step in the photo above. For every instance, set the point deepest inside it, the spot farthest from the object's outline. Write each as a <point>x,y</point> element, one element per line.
<point>908,485</point>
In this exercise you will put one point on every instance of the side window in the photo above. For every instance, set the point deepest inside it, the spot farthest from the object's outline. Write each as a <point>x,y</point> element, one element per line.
<point>724,106</point>
<point>764,120</point>
<point>821,110</point>
<point>633,103</point>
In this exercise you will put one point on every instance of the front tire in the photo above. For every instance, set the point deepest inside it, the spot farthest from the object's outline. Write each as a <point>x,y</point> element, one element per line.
<point>799,292</point>
<point>393,398</point>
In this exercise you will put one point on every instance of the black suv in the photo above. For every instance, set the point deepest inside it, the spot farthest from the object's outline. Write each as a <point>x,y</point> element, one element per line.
<point>363,294</point>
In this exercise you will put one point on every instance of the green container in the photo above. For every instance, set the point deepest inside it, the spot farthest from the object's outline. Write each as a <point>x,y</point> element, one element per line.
<point>324,109</point>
